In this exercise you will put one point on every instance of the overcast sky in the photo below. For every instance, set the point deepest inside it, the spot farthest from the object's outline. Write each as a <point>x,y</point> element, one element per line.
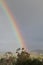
<point>29,16</point>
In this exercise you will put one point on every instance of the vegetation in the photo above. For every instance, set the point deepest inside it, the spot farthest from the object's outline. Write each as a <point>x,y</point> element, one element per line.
<point>22,58</point>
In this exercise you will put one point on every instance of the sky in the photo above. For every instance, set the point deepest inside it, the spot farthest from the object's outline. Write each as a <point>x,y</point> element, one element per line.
<point>29,17</point>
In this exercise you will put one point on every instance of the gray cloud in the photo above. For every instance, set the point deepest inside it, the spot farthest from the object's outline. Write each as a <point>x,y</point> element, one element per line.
<point>29,16</point>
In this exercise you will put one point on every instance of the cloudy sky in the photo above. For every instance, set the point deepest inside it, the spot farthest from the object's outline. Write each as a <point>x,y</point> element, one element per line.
<point>29,16</point>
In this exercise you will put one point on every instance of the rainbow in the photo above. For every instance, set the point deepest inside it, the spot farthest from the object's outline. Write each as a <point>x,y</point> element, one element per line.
<point>13,23</point>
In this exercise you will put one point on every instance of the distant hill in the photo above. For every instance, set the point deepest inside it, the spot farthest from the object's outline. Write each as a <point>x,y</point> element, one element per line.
<point>38,51</point>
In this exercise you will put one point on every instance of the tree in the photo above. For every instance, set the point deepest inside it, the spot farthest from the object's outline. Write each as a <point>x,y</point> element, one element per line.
<point>23,56</point>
